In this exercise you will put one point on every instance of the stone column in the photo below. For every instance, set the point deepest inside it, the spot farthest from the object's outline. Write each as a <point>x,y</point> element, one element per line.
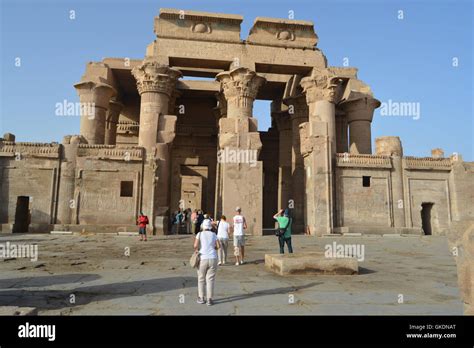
<point>392,146</point>
<point>66,202</point>
<point>111,122</point>
<point>220,111</point>
<point>283,123</point>
<point>156,84</point>
<point>94,98</point>
<point>359,117</point>
<point>298,112</point>
<point>239,148</point>
<point>318,146</point>
<point>342,142</point>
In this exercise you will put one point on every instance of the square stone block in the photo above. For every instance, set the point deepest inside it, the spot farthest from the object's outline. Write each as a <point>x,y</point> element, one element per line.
<point>310,264</point>
<point>227,125</point>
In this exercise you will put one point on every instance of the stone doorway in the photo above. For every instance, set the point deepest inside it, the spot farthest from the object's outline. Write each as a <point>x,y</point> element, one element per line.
<point>191,192</point>
<point>426,209</point>
<point>22,214</point>
<point>193,187</point>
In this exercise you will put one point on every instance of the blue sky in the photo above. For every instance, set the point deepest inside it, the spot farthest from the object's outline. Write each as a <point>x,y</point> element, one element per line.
<point>403,60</point>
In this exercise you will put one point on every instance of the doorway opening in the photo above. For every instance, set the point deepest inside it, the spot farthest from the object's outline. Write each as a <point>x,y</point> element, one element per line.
<point>426,218</point>
<point>22,214</point>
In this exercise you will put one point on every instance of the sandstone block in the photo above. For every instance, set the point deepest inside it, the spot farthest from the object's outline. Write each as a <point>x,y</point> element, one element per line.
<point>310,263</point>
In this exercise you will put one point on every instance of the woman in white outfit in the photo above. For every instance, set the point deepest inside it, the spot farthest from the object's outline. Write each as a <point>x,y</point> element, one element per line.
<point>223,238</point>
<point>206,242</point>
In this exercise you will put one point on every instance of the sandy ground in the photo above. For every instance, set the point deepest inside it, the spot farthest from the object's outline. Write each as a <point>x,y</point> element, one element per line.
<point>76,275</point>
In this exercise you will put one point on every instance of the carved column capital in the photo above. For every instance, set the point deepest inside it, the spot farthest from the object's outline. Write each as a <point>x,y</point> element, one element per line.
<point>152,76</point>
<point>115,106</point>
<point>98,93</point>
<point>360,109</point>
<point>297,106</point>
<point>240,86</point>
<point>113,113</point>
<point>321,85</point>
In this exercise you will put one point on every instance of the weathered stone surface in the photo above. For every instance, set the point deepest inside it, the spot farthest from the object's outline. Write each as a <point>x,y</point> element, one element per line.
<point>17,311</point>
<point>310,263</point>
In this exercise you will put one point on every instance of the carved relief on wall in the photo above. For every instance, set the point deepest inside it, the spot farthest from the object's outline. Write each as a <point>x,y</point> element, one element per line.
<point>201,28</point>
<point>285,35</point>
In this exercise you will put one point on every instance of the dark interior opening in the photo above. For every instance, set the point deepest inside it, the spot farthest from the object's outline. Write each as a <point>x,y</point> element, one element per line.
<point>126,189</point>
<point>22,214</point>
<point>366,181</point>
<point>426,218</point>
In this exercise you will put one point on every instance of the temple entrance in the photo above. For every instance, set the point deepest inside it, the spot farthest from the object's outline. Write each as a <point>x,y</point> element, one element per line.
<point>426,218</point>
<point>191,192</point>
<point>22,214</point>
<point>193,183</point>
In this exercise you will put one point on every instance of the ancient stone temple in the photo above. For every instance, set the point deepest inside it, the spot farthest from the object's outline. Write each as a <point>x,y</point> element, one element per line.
<point>177,129</point>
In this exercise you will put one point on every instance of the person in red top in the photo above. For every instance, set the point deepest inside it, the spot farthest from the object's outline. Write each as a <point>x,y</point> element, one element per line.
<point>142,221</point>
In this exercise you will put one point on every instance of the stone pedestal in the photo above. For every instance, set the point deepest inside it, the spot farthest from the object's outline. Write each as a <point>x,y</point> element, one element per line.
<point>359,117</point>
<point>156,84</point>
<point>239,148</point>
<point>312,263</point>
<point>94,98</point>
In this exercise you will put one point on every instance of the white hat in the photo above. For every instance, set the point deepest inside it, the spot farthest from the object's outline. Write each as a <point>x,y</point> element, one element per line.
<point>238,209</point>
<point>206,225</point>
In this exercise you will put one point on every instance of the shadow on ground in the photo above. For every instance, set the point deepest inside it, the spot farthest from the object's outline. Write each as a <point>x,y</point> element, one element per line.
<point>276,291</point>
<point>57,299</point>
<point>32,281</point>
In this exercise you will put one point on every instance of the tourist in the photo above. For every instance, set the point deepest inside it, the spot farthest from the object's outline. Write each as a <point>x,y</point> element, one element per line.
<point>223,237</point>
<point>177,221</point>
<point>239,225</point>
<point>200,219</point>
<point>284,230</point>
<point>207,244</point>
<point>142,221</point>
<point>187,220</point>
<point>194,221</point>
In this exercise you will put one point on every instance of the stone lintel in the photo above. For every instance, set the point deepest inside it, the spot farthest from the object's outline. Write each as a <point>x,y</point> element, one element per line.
<point>196,25</point>
<point>197,85</point>
<point>122,63</point>
<point>282,33</point>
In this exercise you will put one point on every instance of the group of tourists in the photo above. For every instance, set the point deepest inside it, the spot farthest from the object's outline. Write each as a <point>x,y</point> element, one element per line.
<point>212,248</point>
<point>212,241</point>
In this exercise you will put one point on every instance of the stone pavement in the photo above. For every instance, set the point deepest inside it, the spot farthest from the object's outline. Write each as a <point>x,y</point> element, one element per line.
<point>95,273</point>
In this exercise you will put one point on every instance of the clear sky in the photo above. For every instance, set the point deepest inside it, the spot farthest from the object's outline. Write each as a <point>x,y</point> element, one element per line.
<point>422,55</point>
